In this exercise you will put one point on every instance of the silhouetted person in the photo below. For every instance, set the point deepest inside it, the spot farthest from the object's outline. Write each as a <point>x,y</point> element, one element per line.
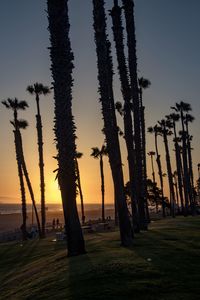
<point>53,223</point>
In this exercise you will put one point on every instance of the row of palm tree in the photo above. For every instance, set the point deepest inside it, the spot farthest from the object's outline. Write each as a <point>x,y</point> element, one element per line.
<point>181,182</point>
<point>133,112</point>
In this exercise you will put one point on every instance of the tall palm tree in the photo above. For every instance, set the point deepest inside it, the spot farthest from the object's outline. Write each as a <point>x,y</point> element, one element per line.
<point>128,6</point>
<point>155,130</point>
<point>152,154</point>
<point>78,156</point>
<point>61,66</point>
<point>175,179</point>
<point>99,153</point>
<point>143,84</point>
<point>116,14</point>
<point>182,108</point>
<point>15,105</point>
<point>174,118</point>
<point>165,130</point>
<point>189,119</point>
<point>105,77</point>
<point>37,90</point>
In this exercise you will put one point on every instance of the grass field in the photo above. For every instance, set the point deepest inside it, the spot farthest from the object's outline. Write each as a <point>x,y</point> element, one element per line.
<point>163,264</point>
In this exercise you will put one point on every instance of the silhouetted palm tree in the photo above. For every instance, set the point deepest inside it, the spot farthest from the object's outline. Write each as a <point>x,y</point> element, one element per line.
<point>105,77</point>
<point>15,105</point>
<point>61,66</point>
<point>165,130</point>
<point>126,111</point>
<point>152,154</point>
<point>183,107</point>
<point>174,117</point>
<point>175,177</point>
<point>99,153</point>
<point>37,90</point>
<point>128,6</point>
<point>143,84</point>
<point>78,156</point>
<point>155,130</point>
<point>189,119</point>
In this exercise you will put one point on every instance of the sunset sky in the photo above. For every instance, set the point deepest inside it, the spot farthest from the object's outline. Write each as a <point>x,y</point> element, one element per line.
<point>168,48</point>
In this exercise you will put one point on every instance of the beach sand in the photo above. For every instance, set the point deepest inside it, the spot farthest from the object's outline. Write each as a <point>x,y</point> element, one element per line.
<point>13,221</point>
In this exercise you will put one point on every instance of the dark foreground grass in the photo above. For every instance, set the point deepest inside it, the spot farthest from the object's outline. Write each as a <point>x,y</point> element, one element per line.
<point>163,264</point>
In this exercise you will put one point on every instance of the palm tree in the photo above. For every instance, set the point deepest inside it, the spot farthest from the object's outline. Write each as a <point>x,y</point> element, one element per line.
<point>175,177</point>
<point>61,66</point>
<point>37,90</point>
<point>143,84</point>
<point>78,156</point>
<point>189,119</point>
<point>165,130</point>
<point>105,77</point>
<point>16,105</point>
<point>174,117</point>
<point>128,6</point>
<point>152,154</point>
<point>155,130</point>
<point>183,107</point>
<point>126,111</point>
<point>99,153</point>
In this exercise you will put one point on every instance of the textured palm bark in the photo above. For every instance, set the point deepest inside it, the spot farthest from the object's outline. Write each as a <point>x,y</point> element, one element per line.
<point>22,187</point>
<point>41,166</point>
<point>105,74</point>
<point>132,60</point>
<point>61,66</point>
<point>26,175</point>
<point>128,122</point>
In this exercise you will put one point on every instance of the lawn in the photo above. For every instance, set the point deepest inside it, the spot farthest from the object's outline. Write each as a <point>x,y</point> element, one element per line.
<point>164,263</point>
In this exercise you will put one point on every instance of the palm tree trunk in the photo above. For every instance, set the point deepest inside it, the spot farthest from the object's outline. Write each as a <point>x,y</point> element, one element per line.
<point>128,123</point>
<point>61,66</point>
<point>102,188</point>
<point>22,188</point>
<point>132,60</point>
<point>144,165</point>
<point>179,173</point>
<point>80,191</point>
<point>160,173</point>
<point>105,73</point>
<point>186,181</point>
<point>41,166</point>
<point>169,173</point>
<point>23,164</point>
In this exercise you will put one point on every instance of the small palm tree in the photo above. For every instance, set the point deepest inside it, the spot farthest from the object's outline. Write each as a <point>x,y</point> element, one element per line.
<point>78,156</point>
<point>98,154</point>
<point>37,90</point>
<point>152,154</point>
<point>165,130</point>
<point>174,118</point>
<point>155,130</point>
<point>15,105</point>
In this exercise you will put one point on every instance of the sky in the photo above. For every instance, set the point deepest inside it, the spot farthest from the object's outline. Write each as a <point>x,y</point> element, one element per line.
<point>168,50</point>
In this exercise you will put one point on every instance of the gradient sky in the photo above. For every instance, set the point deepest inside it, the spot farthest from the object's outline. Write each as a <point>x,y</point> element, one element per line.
<point>168,48</point>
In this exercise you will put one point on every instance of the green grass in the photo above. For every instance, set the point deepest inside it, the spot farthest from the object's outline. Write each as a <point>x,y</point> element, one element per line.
<point>41,269</point>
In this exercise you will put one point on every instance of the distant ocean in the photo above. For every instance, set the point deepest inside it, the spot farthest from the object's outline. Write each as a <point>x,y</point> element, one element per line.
<point>6,209</point>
